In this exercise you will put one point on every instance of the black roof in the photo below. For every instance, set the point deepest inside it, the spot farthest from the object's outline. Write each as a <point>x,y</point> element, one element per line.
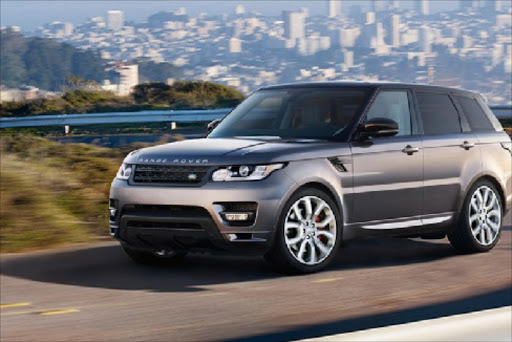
<point>355,84</point>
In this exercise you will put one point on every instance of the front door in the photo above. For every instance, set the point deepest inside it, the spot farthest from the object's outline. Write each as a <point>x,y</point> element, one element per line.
<point>388,171</point>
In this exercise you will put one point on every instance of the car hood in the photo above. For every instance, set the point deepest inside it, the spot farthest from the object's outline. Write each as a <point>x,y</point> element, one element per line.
<point>236,151</point>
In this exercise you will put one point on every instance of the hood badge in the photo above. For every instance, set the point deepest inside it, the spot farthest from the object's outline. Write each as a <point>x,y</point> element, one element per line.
<point>172,161</point>
<point>192,177</point>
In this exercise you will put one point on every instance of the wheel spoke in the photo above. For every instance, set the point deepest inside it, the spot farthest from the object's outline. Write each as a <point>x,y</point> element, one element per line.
<point>319,209</point>
<point>297,212</point>
<point>477,231</point>
<point>482,236</point>
<point>291,225</point>
<point>492,202</point>
<point>486,197</point>
<point>473,218</point>
<point>325,233</point>
<point>302,250</point>
<point>326,221</point>
<point>312,249</point>
<point>489,236</point>
<point>480,199</point>
<point>494,213</point>
<point>294,240</point>
<point>309,208</point>
<point>494,226</point>
<point>323,248</point>
<point>474,205</point>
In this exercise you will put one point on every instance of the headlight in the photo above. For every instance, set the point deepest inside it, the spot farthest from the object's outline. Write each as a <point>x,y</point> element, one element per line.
<point>124,172</point>
<point>244,172</point>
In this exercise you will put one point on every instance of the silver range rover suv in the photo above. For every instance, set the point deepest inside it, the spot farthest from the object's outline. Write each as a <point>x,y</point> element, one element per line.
<point>296,169</point>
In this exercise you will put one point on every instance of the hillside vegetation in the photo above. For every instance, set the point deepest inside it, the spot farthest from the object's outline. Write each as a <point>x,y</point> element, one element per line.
<point>52,193</point>
<point>149,96</point>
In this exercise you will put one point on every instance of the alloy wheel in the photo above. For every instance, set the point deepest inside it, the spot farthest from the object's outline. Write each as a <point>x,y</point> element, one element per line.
<point>485,215</point>
<point>310,230</point>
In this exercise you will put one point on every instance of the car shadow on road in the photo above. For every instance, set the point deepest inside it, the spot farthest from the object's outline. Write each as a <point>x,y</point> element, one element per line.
<point>107,266</point>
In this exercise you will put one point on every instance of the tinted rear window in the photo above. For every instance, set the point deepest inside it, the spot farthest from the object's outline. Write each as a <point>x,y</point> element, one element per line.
<point>478,120</point>
<point>438,113</point>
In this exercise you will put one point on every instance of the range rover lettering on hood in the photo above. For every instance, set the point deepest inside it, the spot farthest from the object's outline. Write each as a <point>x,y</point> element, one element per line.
<point>172,161</point>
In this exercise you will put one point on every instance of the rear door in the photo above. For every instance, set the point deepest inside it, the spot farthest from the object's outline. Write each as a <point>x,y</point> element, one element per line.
<point>451,154</point>
<point>388,171</point>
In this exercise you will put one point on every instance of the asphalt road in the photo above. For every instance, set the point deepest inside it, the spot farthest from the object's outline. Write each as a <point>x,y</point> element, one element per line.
<point>95,293</point>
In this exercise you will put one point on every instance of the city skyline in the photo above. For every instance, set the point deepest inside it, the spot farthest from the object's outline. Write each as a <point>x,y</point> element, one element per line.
<point>30,14</point>
<point>469,47</point>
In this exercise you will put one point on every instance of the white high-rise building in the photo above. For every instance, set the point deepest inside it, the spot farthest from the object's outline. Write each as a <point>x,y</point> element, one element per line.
<point>425,39</point>
<point>334,8</point>
<point>422,7</point>
<point>235,45</point>
<point>115,20</point>
<point>240,9</point>
<point>294,26</point>
<point>395,31</point>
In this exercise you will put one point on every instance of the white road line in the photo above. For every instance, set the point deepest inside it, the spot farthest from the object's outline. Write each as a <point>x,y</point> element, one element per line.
<point>487,325</point>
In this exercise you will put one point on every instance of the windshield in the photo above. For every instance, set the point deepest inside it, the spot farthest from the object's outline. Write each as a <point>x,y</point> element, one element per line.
<point>306,113</point>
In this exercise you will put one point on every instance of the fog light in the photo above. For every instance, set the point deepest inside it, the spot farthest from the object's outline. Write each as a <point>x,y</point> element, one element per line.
<point>236,216</point>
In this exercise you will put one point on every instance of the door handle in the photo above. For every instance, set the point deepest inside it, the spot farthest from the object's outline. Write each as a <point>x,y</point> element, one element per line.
<point>410,150</point>
<point>467,145</point>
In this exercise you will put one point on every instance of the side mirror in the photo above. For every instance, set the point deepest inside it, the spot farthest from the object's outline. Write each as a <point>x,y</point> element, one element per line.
<point>212,125</point>
<point>379,127</point>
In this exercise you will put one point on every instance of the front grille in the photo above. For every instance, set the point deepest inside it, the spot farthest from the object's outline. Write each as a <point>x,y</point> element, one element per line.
<point>170,174</point>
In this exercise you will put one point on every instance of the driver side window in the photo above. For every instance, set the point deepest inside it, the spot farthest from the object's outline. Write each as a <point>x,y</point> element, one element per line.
<point>392,105</point>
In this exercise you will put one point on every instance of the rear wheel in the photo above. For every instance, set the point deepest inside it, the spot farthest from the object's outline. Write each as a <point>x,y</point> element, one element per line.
<point>153,258</point>
<point>308,235</point>
<point>479,226</point>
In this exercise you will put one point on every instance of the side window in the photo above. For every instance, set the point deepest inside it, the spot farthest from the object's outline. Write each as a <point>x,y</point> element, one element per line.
<point>438,113</point>
<point>478,120</point>
<point>392,105</point>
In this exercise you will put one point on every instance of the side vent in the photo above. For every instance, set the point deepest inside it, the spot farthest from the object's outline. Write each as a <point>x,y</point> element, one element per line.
<point>338,165</point>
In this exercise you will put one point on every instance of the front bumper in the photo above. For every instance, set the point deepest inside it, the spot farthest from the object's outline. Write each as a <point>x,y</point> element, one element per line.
<point>197,220</point>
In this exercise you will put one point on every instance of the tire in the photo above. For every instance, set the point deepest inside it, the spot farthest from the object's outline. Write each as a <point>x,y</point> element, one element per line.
<point>479,226</point>
<point>301,245</point>
<point>149,258</point>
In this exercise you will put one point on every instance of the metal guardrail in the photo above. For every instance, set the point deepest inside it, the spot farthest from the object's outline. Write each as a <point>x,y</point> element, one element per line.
<point>115,118</point>
<point>502,112</point>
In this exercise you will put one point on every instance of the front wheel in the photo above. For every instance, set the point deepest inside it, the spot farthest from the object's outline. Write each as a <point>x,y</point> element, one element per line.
<point>479,226</point>
<point>308,235</point>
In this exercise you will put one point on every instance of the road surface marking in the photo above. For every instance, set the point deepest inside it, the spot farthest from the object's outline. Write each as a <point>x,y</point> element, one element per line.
<point>211,294</point>
<point>13,305</point>
<point>326,280</point>
<point>57,312</point>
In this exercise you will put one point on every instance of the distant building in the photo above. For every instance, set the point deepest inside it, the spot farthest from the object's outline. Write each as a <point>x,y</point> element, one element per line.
<point>422,7</point>
<point>334,8</point>
<point>128,78</point>
<point>395,31</point>
<point>235,45</point>
<point>115,20</point>
<point>466,5</point>
<point>239,10</point>
<point>425,39</point>
<point>294,25</point>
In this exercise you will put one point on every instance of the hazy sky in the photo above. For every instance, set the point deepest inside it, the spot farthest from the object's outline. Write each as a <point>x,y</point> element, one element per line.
<point>30,14</point>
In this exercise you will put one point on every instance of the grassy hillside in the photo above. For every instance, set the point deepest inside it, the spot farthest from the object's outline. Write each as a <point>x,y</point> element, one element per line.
<point>53,193</point>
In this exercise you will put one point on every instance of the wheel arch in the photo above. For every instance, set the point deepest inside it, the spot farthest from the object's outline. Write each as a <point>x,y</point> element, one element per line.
<point>493,180</point>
